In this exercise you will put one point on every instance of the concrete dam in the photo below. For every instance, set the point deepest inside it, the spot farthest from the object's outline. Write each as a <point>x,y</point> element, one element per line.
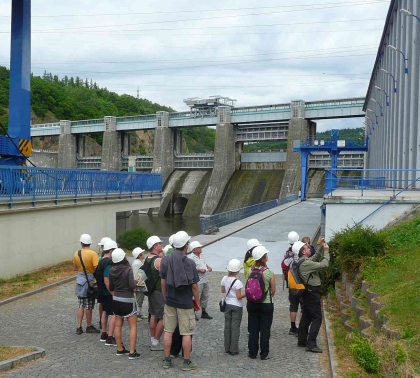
<point>185,191</point>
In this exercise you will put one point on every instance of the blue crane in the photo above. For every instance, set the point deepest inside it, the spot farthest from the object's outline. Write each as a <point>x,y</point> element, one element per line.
<point>333,147</point>
<point>16,145</point>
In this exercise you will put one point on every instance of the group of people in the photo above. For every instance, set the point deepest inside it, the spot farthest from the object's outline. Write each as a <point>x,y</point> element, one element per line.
<point>180,288</point>
<point>176,279</point>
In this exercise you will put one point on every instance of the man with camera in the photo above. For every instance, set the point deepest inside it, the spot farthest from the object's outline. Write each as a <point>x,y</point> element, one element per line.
<point>309,269</point>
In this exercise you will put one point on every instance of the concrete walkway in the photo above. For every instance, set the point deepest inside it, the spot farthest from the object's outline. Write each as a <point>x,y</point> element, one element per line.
<point>270,228</point>
<point>48,320</point>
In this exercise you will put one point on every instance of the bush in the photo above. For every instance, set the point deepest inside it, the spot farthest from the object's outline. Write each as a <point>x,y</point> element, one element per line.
<point>364,354</point>
<point>134,238</point>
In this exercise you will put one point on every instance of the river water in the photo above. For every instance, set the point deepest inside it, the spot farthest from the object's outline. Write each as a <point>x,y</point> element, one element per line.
<point>159,225</point>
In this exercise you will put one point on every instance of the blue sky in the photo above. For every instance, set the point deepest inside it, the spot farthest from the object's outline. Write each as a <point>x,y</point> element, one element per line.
<point>172,50</point>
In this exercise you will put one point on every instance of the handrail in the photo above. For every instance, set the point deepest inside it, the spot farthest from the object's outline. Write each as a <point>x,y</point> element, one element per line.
<point>17,183</point>
<point>213,222</point>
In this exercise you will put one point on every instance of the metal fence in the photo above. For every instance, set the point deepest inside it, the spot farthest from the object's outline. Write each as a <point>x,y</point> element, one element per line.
<point>373,179</point>
<point>213,222</point>
<point>17,183</point>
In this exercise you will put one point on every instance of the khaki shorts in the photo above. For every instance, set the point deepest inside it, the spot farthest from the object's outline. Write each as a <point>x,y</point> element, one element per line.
<point>177,316</point>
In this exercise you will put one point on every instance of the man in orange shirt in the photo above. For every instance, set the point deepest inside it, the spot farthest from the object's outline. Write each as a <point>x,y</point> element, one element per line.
<point>90,261</point>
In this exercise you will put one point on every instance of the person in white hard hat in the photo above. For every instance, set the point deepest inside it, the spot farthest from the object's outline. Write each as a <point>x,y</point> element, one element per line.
<point>86,304</point>
<point>289,258</point>
<point>101,245</point>
<point>168,249</point>
<point>138,254</point>
<point>104,294</point>
<point>156,302</point>
<point>231,285</point>
<point>309,269</point>
<point>203,285</point>
<point>179,284</point>
<point>122,285</point>
<point>260,315</point>
<point>101,254</point>
<point>249,260</point>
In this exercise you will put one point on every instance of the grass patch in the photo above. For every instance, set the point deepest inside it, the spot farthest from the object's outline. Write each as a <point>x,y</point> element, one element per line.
<point>7,353</point>
<point>31,281</point>
<point>396,277</point>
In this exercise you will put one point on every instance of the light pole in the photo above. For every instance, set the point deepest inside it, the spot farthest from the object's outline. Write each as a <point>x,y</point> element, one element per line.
<point>393,78</point>
<point>405,59</point>
<point>370,110</point>
<point>386,94</point>
<point>408,13</point>
<point>382,108</point>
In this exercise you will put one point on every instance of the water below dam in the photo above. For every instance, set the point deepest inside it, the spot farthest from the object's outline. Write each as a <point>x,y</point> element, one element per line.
<point>162,226</point>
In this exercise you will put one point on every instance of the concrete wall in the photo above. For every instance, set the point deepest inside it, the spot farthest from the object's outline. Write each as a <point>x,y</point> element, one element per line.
<point>224,166</point>
<point>45,159</point>
<point>341,215</point>
<point>299,129</point>
<point>34,239</point>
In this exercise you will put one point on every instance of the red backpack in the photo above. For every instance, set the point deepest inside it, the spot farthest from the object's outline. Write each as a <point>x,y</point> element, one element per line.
<point>285,268</point>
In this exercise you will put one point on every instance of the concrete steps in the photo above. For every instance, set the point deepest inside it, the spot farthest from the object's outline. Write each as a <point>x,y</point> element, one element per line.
<point>370,320</point>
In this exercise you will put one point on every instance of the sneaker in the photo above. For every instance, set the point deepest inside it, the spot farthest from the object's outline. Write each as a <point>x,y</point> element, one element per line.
<point>156,348</point>
<point>79,331</point>
<point>313,349</point>
<point>145,317</point>
<point>104,336</point>
<point>92,329</point>
<point>133,356</point>
<point>187,366</point>
<point>122,352</point>
<point>293,331</point>
<point>302,345</point>
<point>167,364</point>
<point>110,341</point>
<point>252,357</point>
<point>205,315</point>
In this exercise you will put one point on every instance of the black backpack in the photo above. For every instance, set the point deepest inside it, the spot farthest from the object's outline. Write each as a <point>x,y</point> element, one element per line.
<point>99,273</point>
<point>149,281</point>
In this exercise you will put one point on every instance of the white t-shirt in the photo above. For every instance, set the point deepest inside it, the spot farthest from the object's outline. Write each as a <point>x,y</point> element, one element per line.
<point>200,264</point>
<point>231,298</point>
<point>136,265</point>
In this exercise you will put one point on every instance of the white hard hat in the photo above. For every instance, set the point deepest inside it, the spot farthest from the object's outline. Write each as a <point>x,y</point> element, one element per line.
<point>110,244</point>
<point>234,266</point>
<point>297,246</point>
<point>293,237</point>
<point>167,248</point>
<point>171,239</point>
<point>252,243</point>
<point>152,241</point>
<point>86,239</point>
<point>258,252</point>
<point>193,245</point>
<point>180,239</point>
<point>118,255</point>
<point>104,240</point>
<point>136,252</point>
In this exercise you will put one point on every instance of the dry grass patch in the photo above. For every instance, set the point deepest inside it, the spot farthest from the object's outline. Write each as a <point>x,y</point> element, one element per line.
<point>7,353</point>
<point>31,281</point>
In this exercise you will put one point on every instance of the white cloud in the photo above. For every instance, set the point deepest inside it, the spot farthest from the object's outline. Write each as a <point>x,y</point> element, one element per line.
<point>254,64</point>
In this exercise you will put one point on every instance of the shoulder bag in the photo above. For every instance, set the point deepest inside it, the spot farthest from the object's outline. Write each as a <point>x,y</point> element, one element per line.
<point>92,291</point>
<point>222,303</point>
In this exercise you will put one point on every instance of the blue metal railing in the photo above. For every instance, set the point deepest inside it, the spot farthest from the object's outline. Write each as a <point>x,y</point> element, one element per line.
<point>222,219</point>
<point>373,179</point>
<point>17,183</point>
